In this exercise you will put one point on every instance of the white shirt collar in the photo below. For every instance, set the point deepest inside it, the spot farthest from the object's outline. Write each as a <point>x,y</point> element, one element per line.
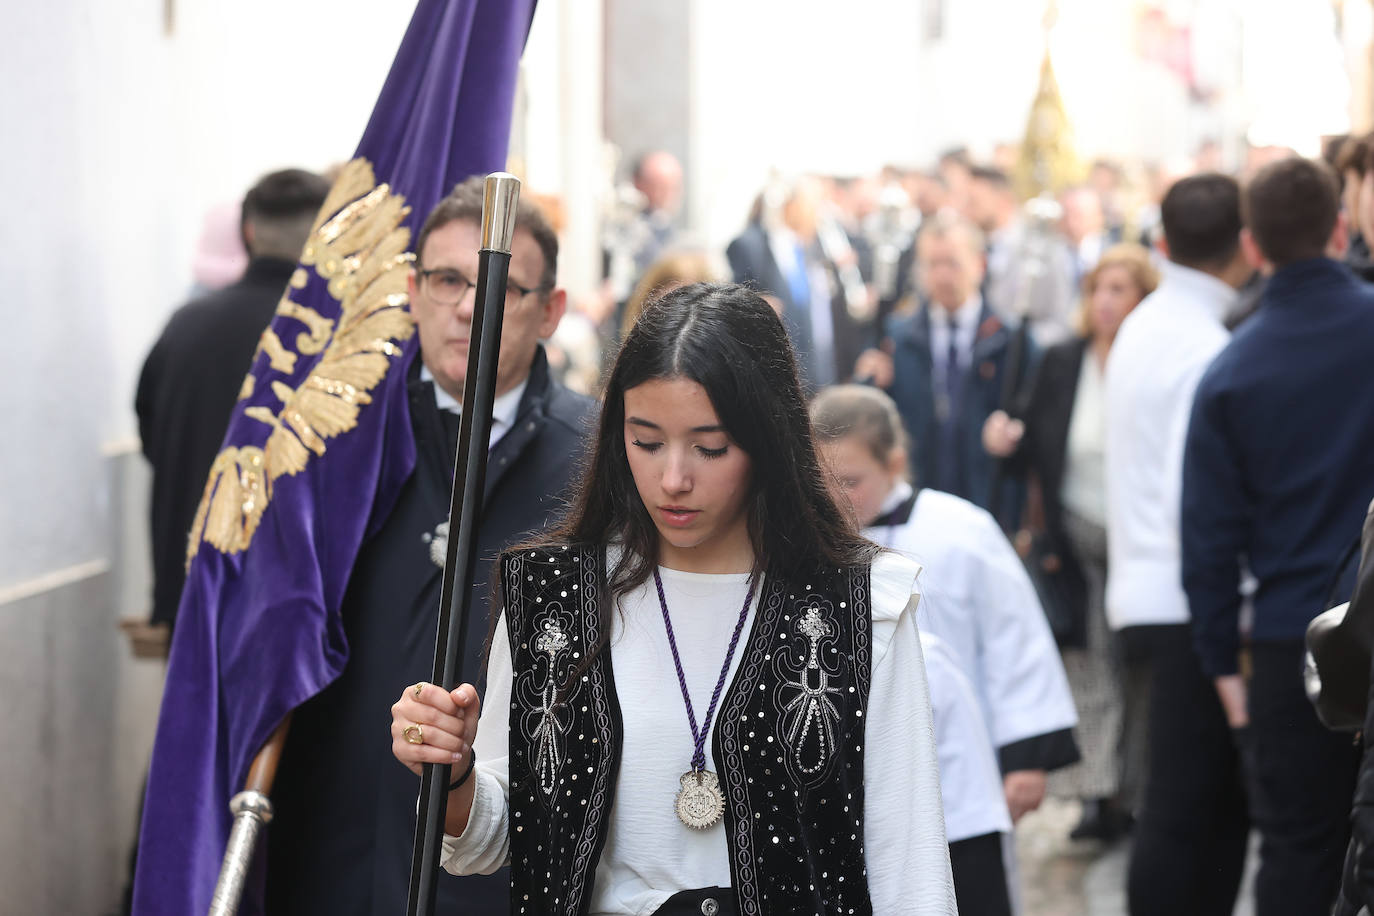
<point>966,316</point>
<point>1215,295</point>
<point>965,328</point>
<point>503,409</point>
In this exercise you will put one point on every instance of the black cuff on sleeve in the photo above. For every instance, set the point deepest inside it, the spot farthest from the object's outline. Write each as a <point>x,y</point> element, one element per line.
<point>1040,752</point>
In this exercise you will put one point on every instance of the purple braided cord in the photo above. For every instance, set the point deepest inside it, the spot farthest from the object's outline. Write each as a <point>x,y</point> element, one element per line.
<point>699,737</point>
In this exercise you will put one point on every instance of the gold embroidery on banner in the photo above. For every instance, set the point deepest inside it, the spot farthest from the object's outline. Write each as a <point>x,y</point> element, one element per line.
<point>236,494</point>
<point>280,358</point>
<point>246,389</point>
<point>320,327</point>
<point>358,245</point>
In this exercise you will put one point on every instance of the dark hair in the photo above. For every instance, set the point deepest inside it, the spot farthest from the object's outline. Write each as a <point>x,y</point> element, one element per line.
<point>1353,156</point>
<point>287,194</point>
<point>841,411</point>
<point>728,340</point>
<point>1201,218</point>
<point>957,155</point>
<point>1332,146</point>
<point>282,206</point>
<point>464,203</point>
<point>992,175</point>
<point>1291,206</point>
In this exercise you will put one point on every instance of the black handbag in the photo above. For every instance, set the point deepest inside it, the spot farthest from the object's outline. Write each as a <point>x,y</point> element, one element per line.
<point>1339,643</point>
<point>1055,573</point>
<point>1059,584</point>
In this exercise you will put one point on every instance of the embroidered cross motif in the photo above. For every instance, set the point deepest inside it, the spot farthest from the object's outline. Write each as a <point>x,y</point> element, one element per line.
<point>810,717</point>
<point>549,732</point>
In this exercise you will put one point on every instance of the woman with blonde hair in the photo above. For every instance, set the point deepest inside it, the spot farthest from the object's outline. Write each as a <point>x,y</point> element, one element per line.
<point>671,270</point>
<point>1059,442</point>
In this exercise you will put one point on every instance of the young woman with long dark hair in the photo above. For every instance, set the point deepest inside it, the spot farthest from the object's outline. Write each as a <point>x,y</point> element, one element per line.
<point>706,693</point>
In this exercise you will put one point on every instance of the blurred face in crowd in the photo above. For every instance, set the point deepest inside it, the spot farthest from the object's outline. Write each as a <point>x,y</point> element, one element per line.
<point>948,268</point>
<point>957,176</point>
<point>801,212</point>
<point>660,181</point>
<point>929,195</point>
<point>982,205</point>
<point>860,479</point>
<point>1104,179</point>
<point>443,294</point>
<point>1082,214</point>
<point>866,195</point>
<point>1113,295</point>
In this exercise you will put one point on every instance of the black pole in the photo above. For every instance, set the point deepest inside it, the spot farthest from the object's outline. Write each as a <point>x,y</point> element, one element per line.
<point>465,512</point>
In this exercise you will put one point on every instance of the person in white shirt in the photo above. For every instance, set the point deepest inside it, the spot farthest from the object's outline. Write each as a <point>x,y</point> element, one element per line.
<point>1057,439</point>
<point>982,607</point>
<point>1189,850</point>
<point>706,691</point>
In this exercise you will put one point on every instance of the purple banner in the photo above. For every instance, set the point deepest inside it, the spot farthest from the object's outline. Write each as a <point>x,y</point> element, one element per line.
<point>317,448</point>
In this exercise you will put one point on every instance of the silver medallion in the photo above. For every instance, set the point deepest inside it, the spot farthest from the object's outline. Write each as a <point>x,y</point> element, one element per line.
<point>699,802</point>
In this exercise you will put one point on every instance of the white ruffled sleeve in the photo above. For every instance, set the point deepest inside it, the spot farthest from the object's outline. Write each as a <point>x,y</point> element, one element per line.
<point>485,845</point>
<point>904,826</point>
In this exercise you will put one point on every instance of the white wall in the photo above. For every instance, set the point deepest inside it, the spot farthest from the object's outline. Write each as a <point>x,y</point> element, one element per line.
<point>808,85</point>
<point>795,84</point>
<point>117,137</point>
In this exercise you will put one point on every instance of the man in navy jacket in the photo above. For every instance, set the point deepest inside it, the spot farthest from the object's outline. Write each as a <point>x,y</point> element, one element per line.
<point>949,362</point>
<point>1278,470</point>
<point>345,810</point>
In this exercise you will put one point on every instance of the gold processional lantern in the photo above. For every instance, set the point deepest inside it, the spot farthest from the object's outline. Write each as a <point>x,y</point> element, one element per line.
<point>1048,162</point>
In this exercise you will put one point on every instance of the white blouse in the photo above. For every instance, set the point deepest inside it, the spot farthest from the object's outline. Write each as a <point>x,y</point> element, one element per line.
<point>980,602</point>
<point>1084,489</point>
<point>649,854</point>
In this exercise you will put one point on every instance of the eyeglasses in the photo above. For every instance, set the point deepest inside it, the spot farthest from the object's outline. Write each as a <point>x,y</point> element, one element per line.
<point>447,286</point>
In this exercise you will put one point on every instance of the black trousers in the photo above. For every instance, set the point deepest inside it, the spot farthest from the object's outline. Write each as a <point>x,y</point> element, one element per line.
<point>1301,779</point>
<point>1190,837</point>
<point>980,876</point>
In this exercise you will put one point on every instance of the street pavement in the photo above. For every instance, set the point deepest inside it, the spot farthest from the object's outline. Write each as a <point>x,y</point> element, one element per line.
<point>1063,877</point>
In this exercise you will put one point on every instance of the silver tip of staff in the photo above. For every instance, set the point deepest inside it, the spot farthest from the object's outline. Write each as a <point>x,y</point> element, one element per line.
<point>498,211</point>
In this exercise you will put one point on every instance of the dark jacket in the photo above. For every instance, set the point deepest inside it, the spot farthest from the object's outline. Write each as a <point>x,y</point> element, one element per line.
<point>1357,882</point>
<point>1047,411</point>
<point>752,263</point>
<point>913,390</point>
<point>186,392</point>
<point>342,836</point>
<point>1359,259</point>
<point>1279,461</point>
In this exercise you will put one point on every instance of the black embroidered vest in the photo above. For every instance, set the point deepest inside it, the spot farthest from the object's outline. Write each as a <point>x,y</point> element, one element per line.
<point>788,743</point>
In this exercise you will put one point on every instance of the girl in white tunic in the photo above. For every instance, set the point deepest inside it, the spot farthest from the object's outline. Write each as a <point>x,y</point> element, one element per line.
<point>706,692</point>
<point>978,599</point>
<point>976,815</point>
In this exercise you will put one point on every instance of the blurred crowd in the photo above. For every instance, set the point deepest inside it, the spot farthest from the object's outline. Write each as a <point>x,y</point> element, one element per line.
<point>1124,425</point>
<point>1141,492</point>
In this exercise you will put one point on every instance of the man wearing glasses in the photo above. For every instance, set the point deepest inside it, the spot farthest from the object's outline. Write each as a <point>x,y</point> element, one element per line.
<point>341,838</point>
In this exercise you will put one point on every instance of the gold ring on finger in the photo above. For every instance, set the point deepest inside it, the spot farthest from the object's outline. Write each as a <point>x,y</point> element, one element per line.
<point>414,734</point>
